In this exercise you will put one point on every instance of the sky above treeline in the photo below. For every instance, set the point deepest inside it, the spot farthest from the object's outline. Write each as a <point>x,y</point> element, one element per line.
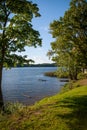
<point>50,10</point>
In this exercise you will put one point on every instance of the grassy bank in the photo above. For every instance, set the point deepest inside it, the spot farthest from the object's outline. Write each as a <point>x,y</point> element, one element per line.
<point>64,111</point>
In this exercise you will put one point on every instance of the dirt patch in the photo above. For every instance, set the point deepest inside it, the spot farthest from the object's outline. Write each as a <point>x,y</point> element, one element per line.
<point>83,82</point>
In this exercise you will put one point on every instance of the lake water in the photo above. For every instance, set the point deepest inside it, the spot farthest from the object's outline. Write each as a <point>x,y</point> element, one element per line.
<point>28,85</point>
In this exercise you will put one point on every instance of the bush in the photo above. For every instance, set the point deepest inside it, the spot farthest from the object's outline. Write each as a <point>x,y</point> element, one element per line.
<point>51,74</point>
<point>62,74</point>
<point>10,108</point>
<point>82,75</point>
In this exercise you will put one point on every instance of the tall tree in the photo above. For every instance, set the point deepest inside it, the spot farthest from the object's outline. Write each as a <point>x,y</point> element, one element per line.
<point>70,32</point>
<point>16,32</point>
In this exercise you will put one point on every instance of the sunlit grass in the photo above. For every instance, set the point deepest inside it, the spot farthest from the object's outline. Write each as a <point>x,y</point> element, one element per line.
<point>64,111</point>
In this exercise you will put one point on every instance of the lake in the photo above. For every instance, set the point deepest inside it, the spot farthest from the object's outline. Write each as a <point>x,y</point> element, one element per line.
<point>28,84</point>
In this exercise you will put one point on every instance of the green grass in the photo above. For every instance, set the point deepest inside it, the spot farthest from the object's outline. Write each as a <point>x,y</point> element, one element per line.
<point>64,111</point>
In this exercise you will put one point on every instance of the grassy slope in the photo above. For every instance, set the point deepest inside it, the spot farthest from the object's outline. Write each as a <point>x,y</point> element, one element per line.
<point>65,111</point>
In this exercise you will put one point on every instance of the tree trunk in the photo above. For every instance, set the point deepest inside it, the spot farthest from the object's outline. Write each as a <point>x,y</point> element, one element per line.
<point>1,96</point>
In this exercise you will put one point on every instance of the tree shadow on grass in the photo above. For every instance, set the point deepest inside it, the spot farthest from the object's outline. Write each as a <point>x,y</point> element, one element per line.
<point>76,119</point>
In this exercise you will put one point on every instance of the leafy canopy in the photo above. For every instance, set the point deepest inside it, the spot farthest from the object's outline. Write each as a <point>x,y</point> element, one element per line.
<point>16,30</point>
<point>70,32</point>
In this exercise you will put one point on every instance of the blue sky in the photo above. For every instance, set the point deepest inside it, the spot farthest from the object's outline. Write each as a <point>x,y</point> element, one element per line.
<point>50,10</point>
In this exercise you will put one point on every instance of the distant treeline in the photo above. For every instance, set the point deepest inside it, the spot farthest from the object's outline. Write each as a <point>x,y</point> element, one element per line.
<point>38,65</point>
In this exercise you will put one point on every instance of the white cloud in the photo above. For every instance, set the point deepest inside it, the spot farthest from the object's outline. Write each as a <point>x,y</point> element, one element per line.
<point>40,59</point>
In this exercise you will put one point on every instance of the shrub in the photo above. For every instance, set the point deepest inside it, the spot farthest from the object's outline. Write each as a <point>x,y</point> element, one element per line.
<point>10,108</point>
<point>62,74</point>
<point>51,74</point>
<point>82,75</point>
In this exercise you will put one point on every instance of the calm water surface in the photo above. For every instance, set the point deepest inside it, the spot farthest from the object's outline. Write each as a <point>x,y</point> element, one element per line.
<point>28,85</point>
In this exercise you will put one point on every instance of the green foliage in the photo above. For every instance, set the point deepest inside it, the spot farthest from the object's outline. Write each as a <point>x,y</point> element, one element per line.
<point>16,30</point>
<point>51,74</point>
<point>70,32</point>
<point>10,108</point>
<point>82,75</point>
<point>62,73</point>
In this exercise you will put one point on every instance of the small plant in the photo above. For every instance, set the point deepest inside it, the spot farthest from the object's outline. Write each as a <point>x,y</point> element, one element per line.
<point>10,108</point>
